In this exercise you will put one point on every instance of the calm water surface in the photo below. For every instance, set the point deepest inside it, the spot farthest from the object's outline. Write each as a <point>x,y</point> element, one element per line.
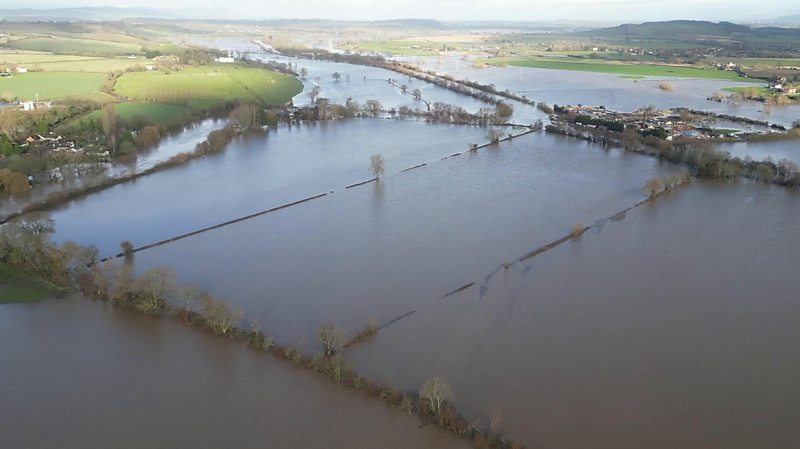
<point>78,374</point>
<point>673,327</point>
<point>254,173</point>
<point>380,251</point>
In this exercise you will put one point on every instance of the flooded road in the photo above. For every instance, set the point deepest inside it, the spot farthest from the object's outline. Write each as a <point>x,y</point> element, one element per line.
<point>80,374</point>
<point>379,251</point>
<point>675,326</point>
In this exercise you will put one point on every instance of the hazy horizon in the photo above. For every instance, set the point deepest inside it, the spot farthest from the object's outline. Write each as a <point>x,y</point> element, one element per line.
<point>451,10</point>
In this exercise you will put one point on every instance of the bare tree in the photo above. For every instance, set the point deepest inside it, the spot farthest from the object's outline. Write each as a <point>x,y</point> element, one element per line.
<point>332,339</point>
<point>337,76</point>
<point>435,393</point>
<point>417,94</point>
<point>377,163</point>
<point>245,116</point>
<point>494,135</point>
<point>303,72</point>
<point>314,94</point>
<point>373,108</point>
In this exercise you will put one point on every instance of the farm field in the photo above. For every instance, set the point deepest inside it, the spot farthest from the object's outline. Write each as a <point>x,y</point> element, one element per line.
<point>18,287</point>
<point>204,85</point>
<point>160,113</point>
<point>53,85</point>
<point>618,68</point>
<point>65,45</point>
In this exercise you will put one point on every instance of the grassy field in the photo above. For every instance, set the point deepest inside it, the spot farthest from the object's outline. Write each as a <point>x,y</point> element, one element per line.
<point>66,45</point>
<point>202,86</point>
<point>619,68</point>
<point>52,85</point>
<point>150,112</point>
<point>18,287</point>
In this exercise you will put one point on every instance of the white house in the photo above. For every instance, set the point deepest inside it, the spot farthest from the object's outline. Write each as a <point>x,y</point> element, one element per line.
<point>22,70</point>
<point>226,60</point>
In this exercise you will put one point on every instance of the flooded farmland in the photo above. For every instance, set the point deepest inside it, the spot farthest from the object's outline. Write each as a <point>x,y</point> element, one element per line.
<point>96,377</point>
<point>255,173</point>
<point>616,93</point>
<point>379,251</point>
<point>669,327</point>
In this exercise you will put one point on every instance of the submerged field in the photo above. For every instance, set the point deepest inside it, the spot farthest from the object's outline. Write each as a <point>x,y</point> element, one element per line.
<point>651,324</point>
<point>210,85</point>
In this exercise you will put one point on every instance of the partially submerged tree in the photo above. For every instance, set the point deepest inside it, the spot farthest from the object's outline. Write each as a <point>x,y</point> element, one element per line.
<point>494,135</point>
<point>332,339</point>
<point>245,116</point>
<point>435,393</point>
<point>337,76</point>
<point>377,163</point>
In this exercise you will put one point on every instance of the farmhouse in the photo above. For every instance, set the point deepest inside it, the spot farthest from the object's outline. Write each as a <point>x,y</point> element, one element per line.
<point>21,70</point>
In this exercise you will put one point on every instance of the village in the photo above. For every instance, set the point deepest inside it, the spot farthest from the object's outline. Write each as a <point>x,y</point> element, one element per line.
<point>666,124</point>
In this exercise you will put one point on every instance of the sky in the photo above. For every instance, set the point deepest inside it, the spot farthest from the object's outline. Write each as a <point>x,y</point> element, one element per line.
<point>517,10</point>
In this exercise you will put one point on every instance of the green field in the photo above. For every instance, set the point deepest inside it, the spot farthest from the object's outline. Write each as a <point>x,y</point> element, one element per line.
<point>760,90</point>
<point>150,112</point>
<point>619,68</point>
<point>52,85</point>
<point>18,287</point>
<point>202,86</point>
<point>65,45</point>
<point>405,48</point>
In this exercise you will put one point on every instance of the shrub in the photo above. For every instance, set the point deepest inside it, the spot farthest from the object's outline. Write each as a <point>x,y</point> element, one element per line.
<point>578,230</point>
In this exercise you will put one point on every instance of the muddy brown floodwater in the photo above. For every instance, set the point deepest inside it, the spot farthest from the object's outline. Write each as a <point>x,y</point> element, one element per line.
<point>673,327</point>
<point>381,250</point>
<point>80,374</point>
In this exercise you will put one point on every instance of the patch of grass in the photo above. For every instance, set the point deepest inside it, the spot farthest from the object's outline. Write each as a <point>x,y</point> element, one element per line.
<point>51,85</point>
<point>71,46</point>
<point>88,65</point>
<point>619,68</point>
<point>203,86</point>
<point>763,91</point>
<point>160,113</point>
<point>19,287</point>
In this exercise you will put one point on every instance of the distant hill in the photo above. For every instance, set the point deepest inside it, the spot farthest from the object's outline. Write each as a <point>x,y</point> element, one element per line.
<point>83,13</point>
<point>411,23</point>
<point>700,33</point>
<point>787,20</point>
<point>671,29</point>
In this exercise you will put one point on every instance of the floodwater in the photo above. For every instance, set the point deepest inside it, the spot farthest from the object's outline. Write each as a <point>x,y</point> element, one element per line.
<point>569,87</point>
<point>254,173</point>
<point>379,251</point>
<point>182,141</point>
<point>80,374</point>
<point>758,151</point>
<point>675,326</point>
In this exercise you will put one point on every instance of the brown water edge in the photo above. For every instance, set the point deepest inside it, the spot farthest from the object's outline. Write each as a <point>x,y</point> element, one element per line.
<point>79,374</point>
<point>675,327</point>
